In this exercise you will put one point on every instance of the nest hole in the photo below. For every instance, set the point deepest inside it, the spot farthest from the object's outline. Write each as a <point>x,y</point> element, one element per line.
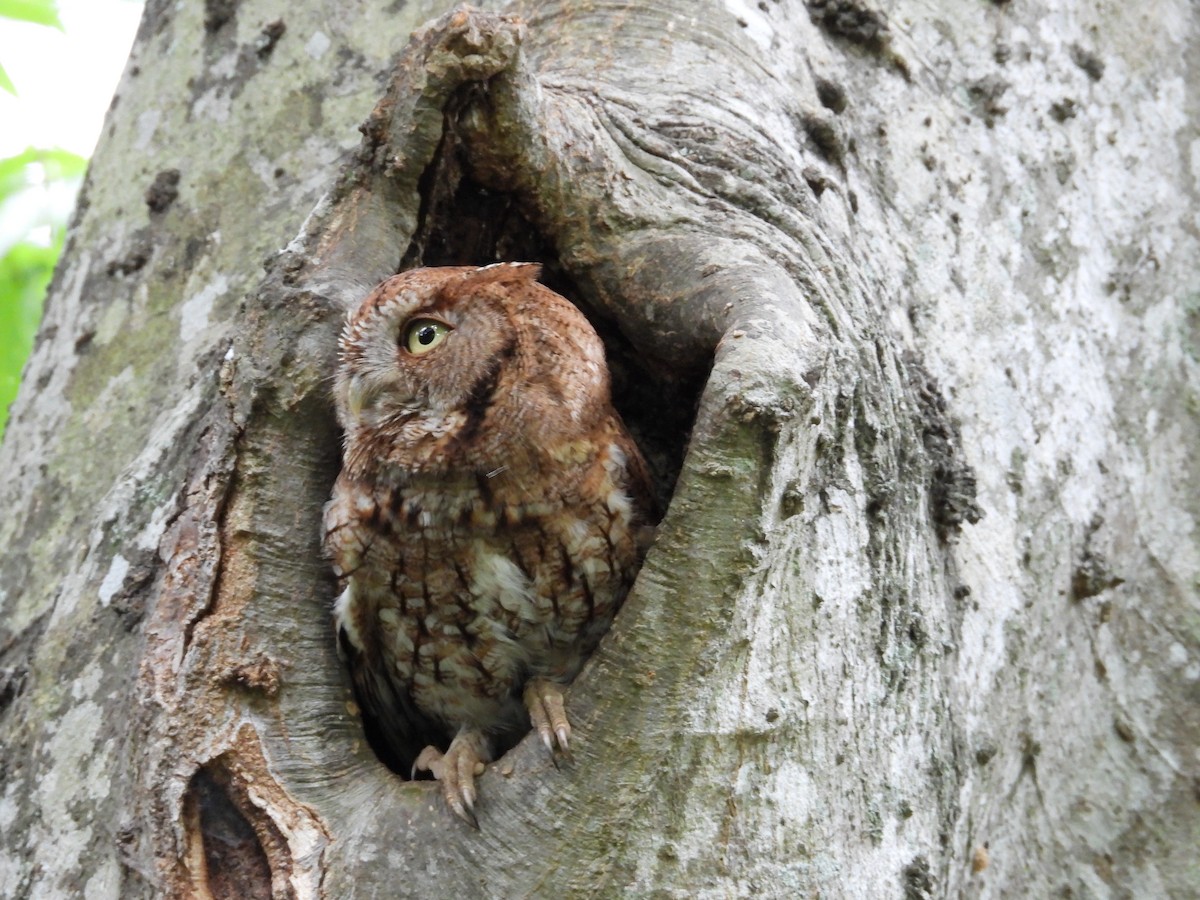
<point>235,862</point>
<point>464,223</point>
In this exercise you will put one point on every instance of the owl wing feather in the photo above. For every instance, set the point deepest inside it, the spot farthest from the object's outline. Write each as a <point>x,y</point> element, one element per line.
<point>637,482</point>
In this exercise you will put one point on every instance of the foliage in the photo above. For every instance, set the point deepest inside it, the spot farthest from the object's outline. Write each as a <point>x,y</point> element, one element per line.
<point>27,182</point>
<point>26,265</point>
<point>41,12</point>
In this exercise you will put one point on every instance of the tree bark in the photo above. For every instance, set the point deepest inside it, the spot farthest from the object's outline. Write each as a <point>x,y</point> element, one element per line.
<point>921,617</point>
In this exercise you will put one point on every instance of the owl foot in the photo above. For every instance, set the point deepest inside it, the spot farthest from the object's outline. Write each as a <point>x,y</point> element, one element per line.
<point>456,770</point>
<point>544,700</point>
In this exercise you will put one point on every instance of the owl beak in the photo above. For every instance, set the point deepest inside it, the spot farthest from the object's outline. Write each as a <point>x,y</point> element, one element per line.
<point>358,396</point>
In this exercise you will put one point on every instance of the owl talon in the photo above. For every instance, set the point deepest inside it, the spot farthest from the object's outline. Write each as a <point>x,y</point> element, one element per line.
<point>428,760</point>
<point>456,770</point>
<point>544,700</point>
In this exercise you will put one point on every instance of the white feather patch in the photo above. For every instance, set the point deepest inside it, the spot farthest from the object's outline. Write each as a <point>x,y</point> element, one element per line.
<point>343,616</point>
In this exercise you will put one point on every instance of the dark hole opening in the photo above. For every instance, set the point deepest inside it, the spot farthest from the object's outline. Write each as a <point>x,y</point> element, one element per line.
<point>462,222</point>
<point>235,862</point>
<point>465,223</point>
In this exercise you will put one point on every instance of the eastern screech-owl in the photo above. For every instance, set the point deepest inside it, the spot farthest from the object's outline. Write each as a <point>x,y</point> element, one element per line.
<point>486,519</point>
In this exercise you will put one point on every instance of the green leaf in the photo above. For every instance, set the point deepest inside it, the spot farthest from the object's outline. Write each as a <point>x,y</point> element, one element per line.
<point>6,82</point>
<point>41,12</point>
<point>26,268</point>
<point>24,274</point>
<point>56,165</point>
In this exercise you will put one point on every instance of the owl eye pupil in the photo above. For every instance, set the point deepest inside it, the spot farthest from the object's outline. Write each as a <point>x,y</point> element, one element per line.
<point>423,335</point>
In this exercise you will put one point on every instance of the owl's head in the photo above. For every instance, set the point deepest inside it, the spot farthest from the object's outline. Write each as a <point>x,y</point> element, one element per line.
<point>446,367</point>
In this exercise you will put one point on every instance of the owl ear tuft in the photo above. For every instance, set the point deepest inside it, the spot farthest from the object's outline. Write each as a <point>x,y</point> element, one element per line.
<point>510,271</point>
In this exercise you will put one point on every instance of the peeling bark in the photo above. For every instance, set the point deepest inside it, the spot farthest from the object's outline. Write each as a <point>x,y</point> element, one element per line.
<point>919,621</point>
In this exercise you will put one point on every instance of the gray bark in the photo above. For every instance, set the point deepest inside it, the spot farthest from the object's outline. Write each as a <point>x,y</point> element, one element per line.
<point>921,618</point>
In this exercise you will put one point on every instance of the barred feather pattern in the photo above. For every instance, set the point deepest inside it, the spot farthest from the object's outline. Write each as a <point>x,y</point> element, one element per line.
<point>485,524</point>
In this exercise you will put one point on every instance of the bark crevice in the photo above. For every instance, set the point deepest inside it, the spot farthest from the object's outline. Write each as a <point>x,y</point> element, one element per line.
<point>234,863</point>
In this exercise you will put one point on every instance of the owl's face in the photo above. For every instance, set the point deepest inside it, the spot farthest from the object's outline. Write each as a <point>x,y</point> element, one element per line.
<point>412,351</point>
<point>444,365</point>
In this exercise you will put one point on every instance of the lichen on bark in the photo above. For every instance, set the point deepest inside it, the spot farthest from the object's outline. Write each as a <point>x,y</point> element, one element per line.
<point>879,279</point>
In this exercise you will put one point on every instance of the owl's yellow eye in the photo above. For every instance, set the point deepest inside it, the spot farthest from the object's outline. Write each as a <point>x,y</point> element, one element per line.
<point>422,335</point>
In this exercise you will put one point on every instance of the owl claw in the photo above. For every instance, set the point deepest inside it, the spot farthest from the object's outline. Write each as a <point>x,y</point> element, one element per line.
<point>456,770</point>
<point>544,700</point>
<point>428,760</point>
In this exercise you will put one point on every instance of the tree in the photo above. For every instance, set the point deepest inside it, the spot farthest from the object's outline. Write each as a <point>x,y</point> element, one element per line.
<point>921,617</point>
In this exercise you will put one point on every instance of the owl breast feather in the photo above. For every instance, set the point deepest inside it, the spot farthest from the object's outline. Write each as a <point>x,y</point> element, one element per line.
<point>461,603</point>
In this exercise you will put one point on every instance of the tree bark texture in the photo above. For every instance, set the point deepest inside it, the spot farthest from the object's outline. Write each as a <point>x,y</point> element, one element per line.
<point>921,617</point>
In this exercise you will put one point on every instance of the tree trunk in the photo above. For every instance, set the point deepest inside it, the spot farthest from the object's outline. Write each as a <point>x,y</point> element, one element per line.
<point>921,617</point>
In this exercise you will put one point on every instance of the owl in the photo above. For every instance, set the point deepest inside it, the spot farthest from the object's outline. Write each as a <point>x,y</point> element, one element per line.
<point>488,519</point>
